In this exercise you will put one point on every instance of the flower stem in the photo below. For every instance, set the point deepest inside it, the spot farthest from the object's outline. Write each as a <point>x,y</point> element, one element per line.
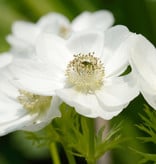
<point>70,157</point>
<point>91,142</point>
<point>54,153</point>
<point>91,136</point>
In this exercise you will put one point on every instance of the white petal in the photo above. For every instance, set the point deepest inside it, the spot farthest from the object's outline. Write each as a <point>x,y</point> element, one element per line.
<point>38,86</point>
<point>25,31</point>
<point>16,42</point>
<point>149,93</point>
<point>118,91</point>
<point>142,59</point>
<point>100,20</point>
<point>5,59</point>
<point>118,62</point>
<point>36,77</point>
<point>53,22</point>
<point>115,53</point>
<point>51,49</point>
<point>81,22</point>
<point>72,97</point>
<point>10,109</point>
<point>16,124</point>
<point>86,42</point>
<point>115,36</point>
<point>54,109</point>
<point>150,97</point>
<point>86,104</point>
<point>104,112</point>
<point>7,88</point>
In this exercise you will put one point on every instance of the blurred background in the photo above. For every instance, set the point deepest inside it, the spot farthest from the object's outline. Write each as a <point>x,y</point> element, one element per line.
<point>138,15</point>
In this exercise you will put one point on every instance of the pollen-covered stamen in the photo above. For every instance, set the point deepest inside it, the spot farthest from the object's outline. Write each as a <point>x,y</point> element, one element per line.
<point>34,103</point>
<point>85,72</point>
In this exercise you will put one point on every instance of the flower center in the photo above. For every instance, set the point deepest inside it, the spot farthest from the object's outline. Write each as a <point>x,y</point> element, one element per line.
<point>64,31</point>
<point>85,72</point>
<point>34,103</point>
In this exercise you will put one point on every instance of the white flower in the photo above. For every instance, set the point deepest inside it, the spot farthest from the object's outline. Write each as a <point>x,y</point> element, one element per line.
<point>142,60</point>
<point>83,71</point>
<point>22,110</point>
<point>5,59</point>
<point>24,34</point>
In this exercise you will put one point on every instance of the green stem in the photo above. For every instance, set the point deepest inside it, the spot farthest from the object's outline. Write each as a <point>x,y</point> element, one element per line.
<point>70,157</point>
<point>91,142</point>
<point>54,153</point>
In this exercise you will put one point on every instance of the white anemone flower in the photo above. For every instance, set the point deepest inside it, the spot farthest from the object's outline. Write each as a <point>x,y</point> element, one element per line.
<point>22,110</point>
<point>83,71</point>
<point>24,33</point>
<point>142,60</point>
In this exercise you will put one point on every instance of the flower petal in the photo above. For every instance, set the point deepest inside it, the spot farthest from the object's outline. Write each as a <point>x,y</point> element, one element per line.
<point>100,20</point>
<point>36,77</point>
<point>142,59</point>
<point>51,49</point>
<point>115,53</point>
<point>150,97</point>
<point>104,112</point>
<point>5,59</point>
<point>6,86</point>
<point>115,36</point>
<point>85,42</point>
<point>9,109</point>
<point>53,23</point>
<point>86,104</point>
<point>16,124</point>
<point>118,91</point>
<point>17,43</point>
<point>25,31</point>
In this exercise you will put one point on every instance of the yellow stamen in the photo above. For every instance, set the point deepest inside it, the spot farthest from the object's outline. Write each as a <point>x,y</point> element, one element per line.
<point>34,103</point>
<point>85,72</point>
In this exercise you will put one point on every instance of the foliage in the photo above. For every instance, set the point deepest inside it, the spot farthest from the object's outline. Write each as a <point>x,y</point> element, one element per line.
<point>149,129</point>
<point>148,125</point>
<point>76,134</point>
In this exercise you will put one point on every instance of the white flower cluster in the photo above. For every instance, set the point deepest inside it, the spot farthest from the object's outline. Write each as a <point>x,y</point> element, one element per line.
<point>80,63</point>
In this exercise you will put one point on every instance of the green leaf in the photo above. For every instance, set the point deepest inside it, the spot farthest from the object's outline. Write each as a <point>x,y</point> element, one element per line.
<point>99,136</point>
<point>146,157</point>
<point>149,128</point>
<point>148,125</point>
<point>112,140</point>
<point>43,137</point>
